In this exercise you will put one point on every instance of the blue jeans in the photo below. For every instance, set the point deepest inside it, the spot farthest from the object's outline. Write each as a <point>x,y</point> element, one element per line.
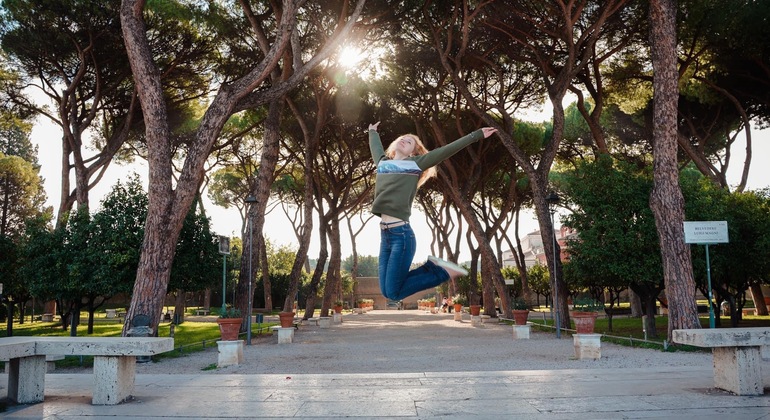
<point>397,248</point>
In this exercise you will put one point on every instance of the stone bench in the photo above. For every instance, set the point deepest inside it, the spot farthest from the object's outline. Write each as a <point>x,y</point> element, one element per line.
<point>285,334</point>
<point>749,311</point>
<point>50,362</point>
<point>200,312</point>
<point>736,354</point>
<point>114,363</point>
<point>313,321</point>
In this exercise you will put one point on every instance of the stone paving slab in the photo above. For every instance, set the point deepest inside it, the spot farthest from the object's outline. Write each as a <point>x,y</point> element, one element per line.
<point>593,391</point>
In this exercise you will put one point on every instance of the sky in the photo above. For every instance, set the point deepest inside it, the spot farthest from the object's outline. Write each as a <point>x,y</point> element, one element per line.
<point>278,229</point>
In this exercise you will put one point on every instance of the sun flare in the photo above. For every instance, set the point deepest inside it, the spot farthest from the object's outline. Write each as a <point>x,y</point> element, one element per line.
<point>350,56</point>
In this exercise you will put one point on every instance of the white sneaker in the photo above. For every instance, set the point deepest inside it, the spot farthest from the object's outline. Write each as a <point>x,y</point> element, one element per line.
<point>453,269</point>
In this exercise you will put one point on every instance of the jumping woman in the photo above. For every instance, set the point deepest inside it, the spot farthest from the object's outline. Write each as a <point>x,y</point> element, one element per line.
<point>401,169</point>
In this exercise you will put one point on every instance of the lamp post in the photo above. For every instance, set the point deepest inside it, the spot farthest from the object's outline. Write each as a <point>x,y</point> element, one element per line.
<point>224,249</point>
<point>249,201</point>
<point>553,199</point>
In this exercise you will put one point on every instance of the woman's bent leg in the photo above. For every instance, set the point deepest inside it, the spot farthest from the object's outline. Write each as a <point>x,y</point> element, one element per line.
<point>397,250</point>
<point>422,278</point>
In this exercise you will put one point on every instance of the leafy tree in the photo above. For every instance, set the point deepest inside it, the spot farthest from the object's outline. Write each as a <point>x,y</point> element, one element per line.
<point>73,53</point>
<point>741,262</point>
<point>616,246</point>
<point>260,82</point>
<point>368,265</point>
<point>512,273</point>
<point>540,281</point>
<point>496,48</point>
<point>196,260</point>
<point>119,225</point>
<point>280,262</point>
<point>21,194</point>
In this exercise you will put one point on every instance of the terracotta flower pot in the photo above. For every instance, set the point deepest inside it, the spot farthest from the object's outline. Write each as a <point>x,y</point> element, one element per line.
<point>520,316</point>
<point>584,321</point>
<point>287,319</point>
<point>338,309</point>
<point>475,310</point>
<point>458,307</point>
<point>229,328</point>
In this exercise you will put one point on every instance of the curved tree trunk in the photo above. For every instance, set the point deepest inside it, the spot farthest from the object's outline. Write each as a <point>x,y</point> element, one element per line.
<point>266,283</point>
<point>666,199</point>
<point>315,281</point>
<point>168,206</point>
<point>333,273</point>
<point>265,178</point>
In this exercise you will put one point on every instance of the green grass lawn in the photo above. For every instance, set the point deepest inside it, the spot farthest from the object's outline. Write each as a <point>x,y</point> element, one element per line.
<point>624,326</point>
<point>188,336</point>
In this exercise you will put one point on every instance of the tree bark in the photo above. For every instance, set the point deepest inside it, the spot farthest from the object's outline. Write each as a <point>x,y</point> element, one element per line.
<point>168,205</point>
<point>261,192</point>
<point>323,255</point>
<point>666,200</point>
<point>333,272</point>
<point>759,298</point>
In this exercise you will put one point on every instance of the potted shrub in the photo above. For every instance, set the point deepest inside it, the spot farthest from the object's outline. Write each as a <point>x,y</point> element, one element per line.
<point>286,319</point>
<point>338,306</point>
<point>584,314</point>
<point>459,301</point>
<point>430,303</point>
<point>229,324</point>
<point>475,310</point>
<point>520,311</point>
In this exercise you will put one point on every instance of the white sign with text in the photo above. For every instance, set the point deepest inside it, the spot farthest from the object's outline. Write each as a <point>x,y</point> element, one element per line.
<point>714,232</point>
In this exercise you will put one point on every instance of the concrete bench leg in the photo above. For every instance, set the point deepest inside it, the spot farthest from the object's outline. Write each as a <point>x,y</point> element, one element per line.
<point>521,332</point>
<point>114,378</point>
<point>285,335</point>
<point>230,353</point>
<point>587,346</point>
<point>738,370</point>
<point>26,379</point>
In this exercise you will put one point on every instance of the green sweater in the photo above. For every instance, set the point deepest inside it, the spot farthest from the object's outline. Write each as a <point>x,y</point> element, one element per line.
<point>396,183</point>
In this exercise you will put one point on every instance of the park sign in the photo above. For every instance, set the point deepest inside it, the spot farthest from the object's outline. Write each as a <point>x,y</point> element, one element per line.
<point>713,232</point>
<point>707,233</point>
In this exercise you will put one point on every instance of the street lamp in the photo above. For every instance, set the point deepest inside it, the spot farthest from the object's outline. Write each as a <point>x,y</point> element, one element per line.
<point>249,201</point>
<point>553,199</point>
<point>224,249</point>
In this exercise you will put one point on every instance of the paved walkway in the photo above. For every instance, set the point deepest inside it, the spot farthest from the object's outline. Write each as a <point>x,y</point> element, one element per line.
<point>649,393</point>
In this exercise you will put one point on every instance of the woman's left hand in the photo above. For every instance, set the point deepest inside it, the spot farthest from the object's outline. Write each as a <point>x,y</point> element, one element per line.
<point>488,131</point>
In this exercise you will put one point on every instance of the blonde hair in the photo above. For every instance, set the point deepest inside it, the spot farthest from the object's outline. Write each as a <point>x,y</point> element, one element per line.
<point>419,149</point>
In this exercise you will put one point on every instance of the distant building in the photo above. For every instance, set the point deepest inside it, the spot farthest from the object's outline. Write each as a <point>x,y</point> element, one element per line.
<point>532,247</point>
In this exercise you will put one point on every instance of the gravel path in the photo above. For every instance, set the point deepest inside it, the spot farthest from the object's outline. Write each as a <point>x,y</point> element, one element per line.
<point>412,341</point>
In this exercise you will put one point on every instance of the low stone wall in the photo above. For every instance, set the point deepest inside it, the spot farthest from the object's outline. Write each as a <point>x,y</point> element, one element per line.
<point>369,288</point>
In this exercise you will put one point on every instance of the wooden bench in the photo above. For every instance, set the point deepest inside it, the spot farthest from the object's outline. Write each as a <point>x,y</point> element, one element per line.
<point>114,363</point>
<point>736,353</point>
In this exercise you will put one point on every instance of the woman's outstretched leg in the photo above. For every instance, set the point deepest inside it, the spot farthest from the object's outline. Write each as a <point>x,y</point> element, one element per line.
<point>397,248</point>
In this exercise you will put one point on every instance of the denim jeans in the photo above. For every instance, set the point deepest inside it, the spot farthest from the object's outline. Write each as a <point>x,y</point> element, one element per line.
<point>397,248</point>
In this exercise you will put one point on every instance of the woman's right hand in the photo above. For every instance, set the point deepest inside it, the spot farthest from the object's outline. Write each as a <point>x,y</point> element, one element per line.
<point>374,126</point>
<point>488,131</point>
